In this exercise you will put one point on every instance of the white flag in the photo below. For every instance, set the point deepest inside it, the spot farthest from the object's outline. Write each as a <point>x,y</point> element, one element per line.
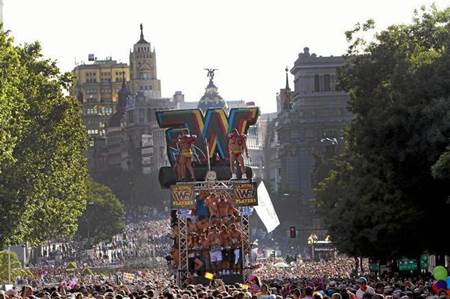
<point>265,209</point>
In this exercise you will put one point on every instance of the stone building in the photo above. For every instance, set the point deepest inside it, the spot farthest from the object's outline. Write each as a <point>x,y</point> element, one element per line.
<point>111,150</point>
<point>144,134</point>
<point>272,169</point>
<point>97,88</point>
<point>318,113</point>
<point>143,73</point>
<point>132,140</point>
<point>256,139</point>
<point>309,125</point>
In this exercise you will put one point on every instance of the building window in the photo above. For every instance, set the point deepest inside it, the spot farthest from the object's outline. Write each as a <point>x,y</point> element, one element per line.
<point>131,117</point>
<point>326,83</point>
<point>150,114</point>
<point>141,115</point>
<point>316,83</point>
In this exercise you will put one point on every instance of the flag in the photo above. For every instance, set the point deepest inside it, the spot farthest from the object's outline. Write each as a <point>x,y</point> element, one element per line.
<point>265,209</point>
<point>209,275</point>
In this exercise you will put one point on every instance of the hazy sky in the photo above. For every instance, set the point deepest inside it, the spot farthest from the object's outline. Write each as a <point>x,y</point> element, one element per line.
<point>249,41</point>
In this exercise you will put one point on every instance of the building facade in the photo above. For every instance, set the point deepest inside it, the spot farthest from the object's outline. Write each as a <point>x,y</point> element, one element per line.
<point>318,113</point>
<point>309,125</point>
<point>97,88</point>
<point>144,134</point>
<point>132,140</point>
<point>272,169</point>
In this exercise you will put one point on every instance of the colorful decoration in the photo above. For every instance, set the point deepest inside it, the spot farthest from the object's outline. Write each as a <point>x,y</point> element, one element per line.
<point>434,287</point>
<point>441,284</point>
<point>212,128</point>
<point>440,273</point>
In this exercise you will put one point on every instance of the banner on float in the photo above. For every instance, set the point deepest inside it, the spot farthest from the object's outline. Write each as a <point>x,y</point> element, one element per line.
<point>265,209</point>
<point>245,194</point>
<point>182,196</point>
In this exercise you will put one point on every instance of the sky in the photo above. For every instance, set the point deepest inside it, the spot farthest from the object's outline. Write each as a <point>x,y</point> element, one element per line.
<point>250,41</point>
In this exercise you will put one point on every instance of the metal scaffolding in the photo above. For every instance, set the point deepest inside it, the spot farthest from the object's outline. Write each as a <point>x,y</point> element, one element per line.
<point>183,265</point>
<point>182,214</point>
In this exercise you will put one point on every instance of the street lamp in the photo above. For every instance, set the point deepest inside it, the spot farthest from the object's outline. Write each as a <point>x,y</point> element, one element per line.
<point>9,264</point>
<point>311,241</point>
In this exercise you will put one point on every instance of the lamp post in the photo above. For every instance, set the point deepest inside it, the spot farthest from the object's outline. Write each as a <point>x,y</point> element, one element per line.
<point>311,241</point>
<point>9,264</point>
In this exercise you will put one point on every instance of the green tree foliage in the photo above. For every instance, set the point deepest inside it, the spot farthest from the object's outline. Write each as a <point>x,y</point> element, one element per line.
<point>9,260</point>
<point>104,215</point>
<point>12,99</point>
<point>381,198</point>
<point>441,169</point>
<point>43,169</point>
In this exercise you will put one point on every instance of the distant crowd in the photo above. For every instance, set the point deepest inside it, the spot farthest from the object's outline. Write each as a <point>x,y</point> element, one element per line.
<point>300,280</point>
<point>142,239</point>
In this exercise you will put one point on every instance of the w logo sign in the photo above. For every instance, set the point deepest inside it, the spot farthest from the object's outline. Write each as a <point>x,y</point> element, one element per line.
<point>246,194</point>
<point>182,196</point>
<point>213,127</point>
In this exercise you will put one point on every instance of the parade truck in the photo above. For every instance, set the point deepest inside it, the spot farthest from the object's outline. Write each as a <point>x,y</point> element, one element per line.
<point>212,192</point>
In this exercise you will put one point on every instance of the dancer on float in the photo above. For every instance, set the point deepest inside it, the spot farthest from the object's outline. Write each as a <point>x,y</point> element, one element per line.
<point>185,143</point>
<point>227,251</point>
<point>215,252</point>
<point>236,244</point>
<point>237,145</point>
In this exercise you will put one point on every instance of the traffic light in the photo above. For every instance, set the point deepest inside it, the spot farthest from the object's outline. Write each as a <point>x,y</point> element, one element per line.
<point>292,232</point>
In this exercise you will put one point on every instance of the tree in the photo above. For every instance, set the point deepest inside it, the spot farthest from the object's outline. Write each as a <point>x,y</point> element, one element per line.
<point>11,98</point>
<point>441,169</point>
<point>43,168</point>
<point>9,261</point>
<point>381,198</point>
<point>104,215</point>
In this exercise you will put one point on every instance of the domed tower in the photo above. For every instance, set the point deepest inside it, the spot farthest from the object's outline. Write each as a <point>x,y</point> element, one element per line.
<point>211,98</point>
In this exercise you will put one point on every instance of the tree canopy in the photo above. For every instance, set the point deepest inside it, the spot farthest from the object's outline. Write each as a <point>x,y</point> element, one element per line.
<point>104,215</point>
<point>42,165</point>
<point>9,260</point>
<point>381,198</point>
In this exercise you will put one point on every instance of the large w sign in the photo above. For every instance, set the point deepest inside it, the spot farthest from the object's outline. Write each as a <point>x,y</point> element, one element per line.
<point>213,127</point>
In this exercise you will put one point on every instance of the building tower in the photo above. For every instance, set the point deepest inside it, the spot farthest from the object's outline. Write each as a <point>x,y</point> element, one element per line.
<point>143,69</point>
<point>285,96</point>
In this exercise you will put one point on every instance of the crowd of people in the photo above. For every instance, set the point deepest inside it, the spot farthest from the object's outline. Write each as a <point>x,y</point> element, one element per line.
<point>309,280</point>
<point>340,267</point>
<point>142,239</point>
